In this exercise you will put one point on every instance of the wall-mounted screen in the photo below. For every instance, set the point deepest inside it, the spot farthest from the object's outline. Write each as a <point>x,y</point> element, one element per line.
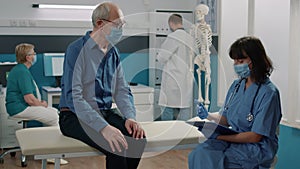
<point>5,67</point>
<point>53,64</point>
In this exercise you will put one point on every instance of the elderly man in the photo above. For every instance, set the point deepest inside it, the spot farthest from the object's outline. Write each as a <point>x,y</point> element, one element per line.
<point>92,80</point>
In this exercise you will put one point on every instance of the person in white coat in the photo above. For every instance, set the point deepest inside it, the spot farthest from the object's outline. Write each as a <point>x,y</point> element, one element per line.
<point>176,94</point>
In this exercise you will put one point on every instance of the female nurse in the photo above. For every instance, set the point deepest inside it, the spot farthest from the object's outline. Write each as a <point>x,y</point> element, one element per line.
<point>23,99</point>
<point>252,109</point>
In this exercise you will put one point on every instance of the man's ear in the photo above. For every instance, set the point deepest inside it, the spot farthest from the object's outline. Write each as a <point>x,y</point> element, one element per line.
<point>171,25</point>
<point>99,24</point>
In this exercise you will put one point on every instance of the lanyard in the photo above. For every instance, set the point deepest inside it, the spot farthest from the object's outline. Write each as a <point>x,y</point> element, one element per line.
<point>250,116</point>
<point>236,88</point>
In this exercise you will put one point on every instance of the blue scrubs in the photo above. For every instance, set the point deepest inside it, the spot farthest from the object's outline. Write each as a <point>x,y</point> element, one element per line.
<point>266,111</point>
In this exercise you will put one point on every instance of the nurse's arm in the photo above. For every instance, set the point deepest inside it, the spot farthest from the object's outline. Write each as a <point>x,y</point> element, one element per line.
<point>33,101</point>
<point>244,137</point>
<point>218,118</point>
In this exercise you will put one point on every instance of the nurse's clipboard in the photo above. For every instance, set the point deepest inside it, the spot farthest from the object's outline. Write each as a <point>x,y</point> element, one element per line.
<point>223,130</point>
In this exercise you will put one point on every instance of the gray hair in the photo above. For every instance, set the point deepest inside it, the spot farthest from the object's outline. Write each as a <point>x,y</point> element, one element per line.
<point>101,12</point>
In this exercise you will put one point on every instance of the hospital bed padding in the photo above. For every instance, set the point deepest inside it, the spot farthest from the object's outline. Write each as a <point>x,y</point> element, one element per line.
<point>48,142</point>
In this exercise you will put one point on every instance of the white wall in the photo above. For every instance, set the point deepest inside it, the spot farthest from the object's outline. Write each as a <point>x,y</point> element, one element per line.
<point>18,17</point>
<point>233,24</point>
<point>293,116</point>
<point>272,23</point>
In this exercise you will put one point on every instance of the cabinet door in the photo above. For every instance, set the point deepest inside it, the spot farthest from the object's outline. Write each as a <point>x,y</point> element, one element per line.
<point>8,127</point>
<point>144,112</point>
<point>143,98</point>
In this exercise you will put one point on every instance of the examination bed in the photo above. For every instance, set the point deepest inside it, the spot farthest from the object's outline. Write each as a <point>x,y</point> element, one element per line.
<point>48,142</point>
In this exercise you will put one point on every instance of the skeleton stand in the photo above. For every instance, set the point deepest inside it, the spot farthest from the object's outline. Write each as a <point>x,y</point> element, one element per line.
<point>203,41</point>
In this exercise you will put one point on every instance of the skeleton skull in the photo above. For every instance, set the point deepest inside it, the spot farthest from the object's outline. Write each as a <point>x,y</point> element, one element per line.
<point>200,12</point>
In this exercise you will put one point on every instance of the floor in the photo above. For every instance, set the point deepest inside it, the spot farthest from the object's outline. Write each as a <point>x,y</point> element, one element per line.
<point>173,159</point>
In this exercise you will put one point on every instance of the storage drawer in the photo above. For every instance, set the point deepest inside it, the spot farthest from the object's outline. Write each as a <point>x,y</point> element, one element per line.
<point>9,142</point>
<point>143,98</point>
<point>8,132</point>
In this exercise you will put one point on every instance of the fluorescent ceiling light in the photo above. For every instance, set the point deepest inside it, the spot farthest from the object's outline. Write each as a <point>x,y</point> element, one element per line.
<point>63,6</point>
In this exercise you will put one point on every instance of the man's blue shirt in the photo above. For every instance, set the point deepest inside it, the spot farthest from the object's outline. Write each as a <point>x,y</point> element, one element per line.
<point>92,80</point>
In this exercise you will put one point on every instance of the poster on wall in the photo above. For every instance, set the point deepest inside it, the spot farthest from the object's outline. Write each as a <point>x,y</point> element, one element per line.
<point>211,17</point>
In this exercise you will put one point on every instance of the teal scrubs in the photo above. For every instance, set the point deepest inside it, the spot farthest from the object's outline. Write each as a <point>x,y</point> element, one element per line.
<point>266,110</point>
<point>19,83</point>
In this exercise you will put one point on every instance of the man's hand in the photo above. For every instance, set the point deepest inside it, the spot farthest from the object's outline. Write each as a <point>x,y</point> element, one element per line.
<point>134,128</point>
<point>114,137</point>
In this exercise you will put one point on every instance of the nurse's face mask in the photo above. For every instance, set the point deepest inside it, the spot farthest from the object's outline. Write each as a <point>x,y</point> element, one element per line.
<point>242,70</point>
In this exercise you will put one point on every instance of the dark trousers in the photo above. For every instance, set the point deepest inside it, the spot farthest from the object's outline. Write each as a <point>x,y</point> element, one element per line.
<point>71,126</point>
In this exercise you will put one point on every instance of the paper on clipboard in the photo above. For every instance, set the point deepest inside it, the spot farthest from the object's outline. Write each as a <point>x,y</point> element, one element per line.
<point>212,126</point>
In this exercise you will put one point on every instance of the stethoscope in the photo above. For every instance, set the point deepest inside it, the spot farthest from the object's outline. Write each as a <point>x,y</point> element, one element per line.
<point>250,116</point>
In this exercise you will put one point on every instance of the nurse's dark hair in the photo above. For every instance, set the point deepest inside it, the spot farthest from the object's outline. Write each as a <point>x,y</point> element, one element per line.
<point>252,47</point>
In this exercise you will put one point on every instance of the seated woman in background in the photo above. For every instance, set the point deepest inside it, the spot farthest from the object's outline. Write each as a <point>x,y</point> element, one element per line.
<point>252,108</point>
<point>23,99</point>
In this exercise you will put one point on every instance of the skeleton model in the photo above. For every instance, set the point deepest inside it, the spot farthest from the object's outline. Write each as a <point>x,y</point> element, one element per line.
<point>202,34</point>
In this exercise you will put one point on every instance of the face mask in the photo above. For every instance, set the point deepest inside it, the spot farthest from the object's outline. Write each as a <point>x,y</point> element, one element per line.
<point>34,60</point>
<point>242,70</point>
<point>114,36</point>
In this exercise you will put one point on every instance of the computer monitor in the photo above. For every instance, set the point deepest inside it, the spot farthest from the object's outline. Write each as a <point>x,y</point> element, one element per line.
<point>5,67</point>
<point>53,64</point>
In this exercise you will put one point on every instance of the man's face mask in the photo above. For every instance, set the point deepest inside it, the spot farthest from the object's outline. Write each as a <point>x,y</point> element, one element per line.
<point>115,35</point>
<point>242,70</point>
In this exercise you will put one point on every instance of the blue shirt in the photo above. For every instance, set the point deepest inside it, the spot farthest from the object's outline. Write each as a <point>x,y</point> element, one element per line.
<point>266,111</point>
<point>92,80</point>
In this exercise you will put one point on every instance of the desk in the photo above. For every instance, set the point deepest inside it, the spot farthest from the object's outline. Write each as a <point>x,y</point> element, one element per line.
<point>51,94</point>
<point>143,100</point>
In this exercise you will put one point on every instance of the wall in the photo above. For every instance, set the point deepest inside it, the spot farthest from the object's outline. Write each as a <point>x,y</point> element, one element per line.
<point>288,153</point>
<point>30,20</point>
<point>132,48</point>
<point>275,38</point>
<point>233,24</point>
<point>137,73</point>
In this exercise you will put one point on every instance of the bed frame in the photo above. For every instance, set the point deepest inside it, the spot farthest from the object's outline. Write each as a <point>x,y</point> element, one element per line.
<point>48,142</point>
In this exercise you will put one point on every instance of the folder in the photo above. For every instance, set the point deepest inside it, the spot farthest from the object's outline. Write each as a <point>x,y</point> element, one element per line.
<point>223,130</point>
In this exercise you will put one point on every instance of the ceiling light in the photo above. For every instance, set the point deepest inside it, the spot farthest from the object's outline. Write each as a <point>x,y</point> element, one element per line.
<point>52,6</point>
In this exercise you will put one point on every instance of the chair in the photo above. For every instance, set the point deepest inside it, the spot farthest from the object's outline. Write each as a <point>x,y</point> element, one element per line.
<point>13,151</point>
<point>275,158</point>
<point>274,162</point>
